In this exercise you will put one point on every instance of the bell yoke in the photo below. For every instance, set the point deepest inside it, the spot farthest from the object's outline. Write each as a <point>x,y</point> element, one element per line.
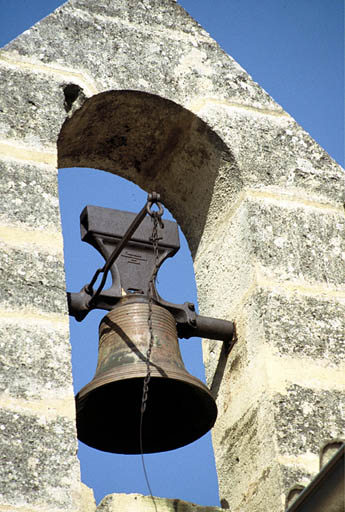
<point>180,408</point>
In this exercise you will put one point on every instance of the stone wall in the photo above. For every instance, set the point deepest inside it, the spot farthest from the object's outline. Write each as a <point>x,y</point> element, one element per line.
<point>278,258</point>
<point>38,445</point>
<point>139,503</point>
<point>262,208</point>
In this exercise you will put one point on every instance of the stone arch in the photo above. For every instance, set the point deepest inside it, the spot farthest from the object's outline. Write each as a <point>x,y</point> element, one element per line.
<point>157,144</point>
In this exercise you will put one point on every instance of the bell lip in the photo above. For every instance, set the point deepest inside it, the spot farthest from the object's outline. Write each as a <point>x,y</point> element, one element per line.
<point>137,371</point>
<point>119,448</point>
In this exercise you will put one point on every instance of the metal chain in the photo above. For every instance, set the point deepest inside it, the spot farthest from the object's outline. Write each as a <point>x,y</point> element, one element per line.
<point>156,217</point>
<point>154,240</point>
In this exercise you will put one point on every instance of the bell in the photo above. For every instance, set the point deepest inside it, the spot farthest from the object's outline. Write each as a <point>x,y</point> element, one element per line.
<point>179,408</point>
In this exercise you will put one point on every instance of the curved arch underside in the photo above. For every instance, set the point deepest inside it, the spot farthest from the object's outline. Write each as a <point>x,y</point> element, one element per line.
<point>155,143</point>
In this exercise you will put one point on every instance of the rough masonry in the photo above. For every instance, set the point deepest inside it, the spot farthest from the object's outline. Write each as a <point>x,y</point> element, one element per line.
<point>138,87</point>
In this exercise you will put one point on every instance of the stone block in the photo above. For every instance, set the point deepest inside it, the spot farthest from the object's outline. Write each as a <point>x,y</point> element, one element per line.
<point>34,110</point>
<point>157,14</point>
<point>263,494</point>
<point>139,503</point>
<point>31,279</point>
<point>223,269</point>
<point>38,461</point>
<point>302,326</point>
<point>293,425</point>
<point>245,448</point>
<point>306,418</point>
<point>35,361</point>
<point>286,242</point>
<point>295,243</point>
<point>274,154</point>
<point>167,64</point>
<point>29,196</point>
<point>88,503</point>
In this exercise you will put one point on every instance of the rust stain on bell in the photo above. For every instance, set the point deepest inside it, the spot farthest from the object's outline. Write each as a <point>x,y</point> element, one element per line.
<point>180,408</point>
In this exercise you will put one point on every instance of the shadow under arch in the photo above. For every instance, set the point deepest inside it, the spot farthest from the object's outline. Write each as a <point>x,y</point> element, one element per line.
<point>157,144</point>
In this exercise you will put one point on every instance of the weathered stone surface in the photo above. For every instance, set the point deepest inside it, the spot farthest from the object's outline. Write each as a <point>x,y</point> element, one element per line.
<point>31,279</point>
<point>306,418</point>
<point>160,146</point>
<point>156,13</point>
<point>262,494</point>
<point>297,243</point>
<point>310,327</point>
<point>38,461</point>
<point>254,429</point>
<point>243,430</point>
<point>251,452</point>
<point>292,425</point>
<point>170,65</point>
<point>266,234</point>
<point>28,196</point>
<point>139,503</point>
<point>88,503</point>
<point>34,361</point>
<point>223,267</point>
<point>294,477</point>
<point>128,45</point>
<point>33,111</point>
<point>276,154</point>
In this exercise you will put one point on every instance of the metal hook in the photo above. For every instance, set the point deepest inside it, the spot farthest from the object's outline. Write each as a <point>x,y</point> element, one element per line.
<point>154,198</point>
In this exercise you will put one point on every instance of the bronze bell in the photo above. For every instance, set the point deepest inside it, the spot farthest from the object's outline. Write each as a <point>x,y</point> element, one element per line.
<point>180,408</point>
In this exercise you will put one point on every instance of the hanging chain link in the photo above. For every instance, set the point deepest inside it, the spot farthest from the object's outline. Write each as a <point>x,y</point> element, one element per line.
<point>154,239</point>
<point>156,217</point>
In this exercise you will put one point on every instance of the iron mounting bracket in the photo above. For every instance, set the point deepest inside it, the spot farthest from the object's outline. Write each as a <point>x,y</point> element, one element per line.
<point>108,230</point>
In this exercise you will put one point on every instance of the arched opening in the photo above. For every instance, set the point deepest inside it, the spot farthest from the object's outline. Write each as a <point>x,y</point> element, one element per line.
<point>190,470</point>
<point>161,147</point>
<point>158,145</point>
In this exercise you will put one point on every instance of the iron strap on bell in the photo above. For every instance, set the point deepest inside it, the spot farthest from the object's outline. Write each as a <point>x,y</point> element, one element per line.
<point>180,408</point>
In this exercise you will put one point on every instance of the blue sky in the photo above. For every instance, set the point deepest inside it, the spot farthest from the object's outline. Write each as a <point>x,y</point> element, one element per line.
<point>293,49</point>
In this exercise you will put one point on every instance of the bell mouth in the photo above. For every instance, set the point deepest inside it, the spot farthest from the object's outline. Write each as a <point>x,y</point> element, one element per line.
<point>179,410</point>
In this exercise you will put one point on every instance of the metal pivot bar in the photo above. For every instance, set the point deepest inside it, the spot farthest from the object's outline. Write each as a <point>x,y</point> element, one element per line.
<point>123,239</point>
